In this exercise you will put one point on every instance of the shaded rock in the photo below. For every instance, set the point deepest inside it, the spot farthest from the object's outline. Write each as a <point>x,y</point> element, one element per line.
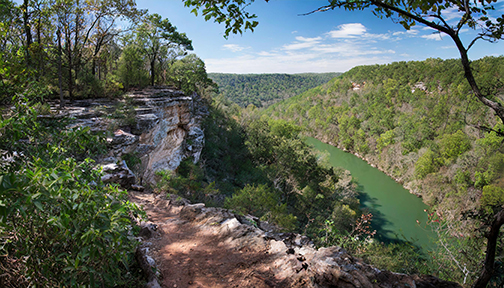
<point>119,174</point>
<point>137,187</point>
<point>148,266</point>
<point>190,212</point>
<point>148,230</point>
<point>123,142</point>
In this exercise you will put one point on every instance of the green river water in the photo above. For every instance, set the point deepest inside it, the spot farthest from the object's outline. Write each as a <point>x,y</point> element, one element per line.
<point>395,210</point>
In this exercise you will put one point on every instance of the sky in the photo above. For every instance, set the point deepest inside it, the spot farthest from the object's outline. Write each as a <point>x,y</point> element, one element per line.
<point>332,41</point>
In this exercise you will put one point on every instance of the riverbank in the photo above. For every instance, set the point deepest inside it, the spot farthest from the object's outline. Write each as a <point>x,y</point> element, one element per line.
<point>410,186</point>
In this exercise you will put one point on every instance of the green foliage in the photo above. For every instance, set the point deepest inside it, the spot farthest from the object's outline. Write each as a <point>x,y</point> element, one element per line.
<point>262,202</point>
<point>263,90</point>
<point>187,182</point>
<point>124,113</point>
<point>130,69</point>
<point>398,257</point>
<point>492,196</point>
<point>491,142</point>
<point>282,128</point>
<point>385,140</point>
<point>426,164</point>
<point>132,160</point>
<point>233,14</point>
<point>58,220</point>
<point>189,74</point>
<point>453,145</point>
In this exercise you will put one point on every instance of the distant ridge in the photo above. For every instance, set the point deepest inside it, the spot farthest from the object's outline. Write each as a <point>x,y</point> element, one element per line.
<point>263,90</point>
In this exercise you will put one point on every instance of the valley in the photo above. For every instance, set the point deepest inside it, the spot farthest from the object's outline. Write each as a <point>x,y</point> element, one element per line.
<point>331,148</point>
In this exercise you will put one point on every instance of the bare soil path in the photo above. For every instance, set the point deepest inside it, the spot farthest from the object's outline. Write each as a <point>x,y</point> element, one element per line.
<point>190,255</point>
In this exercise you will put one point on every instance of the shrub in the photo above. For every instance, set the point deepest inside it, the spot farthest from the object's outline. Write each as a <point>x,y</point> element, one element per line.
<point>60,224</point>
<point>426,164</point>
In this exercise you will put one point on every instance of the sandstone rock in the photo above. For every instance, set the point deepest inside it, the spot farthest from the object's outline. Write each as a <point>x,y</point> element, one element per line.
<point>167,128</point>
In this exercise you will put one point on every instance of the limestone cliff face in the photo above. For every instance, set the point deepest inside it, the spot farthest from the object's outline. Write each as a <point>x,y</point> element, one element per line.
<point>169,129</point>
<point>166,130</point>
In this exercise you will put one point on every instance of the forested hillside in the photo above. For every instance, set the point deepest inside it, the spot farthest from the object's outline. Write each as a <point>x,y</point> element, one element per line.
<point>266,89</point>
<point>419,122</point>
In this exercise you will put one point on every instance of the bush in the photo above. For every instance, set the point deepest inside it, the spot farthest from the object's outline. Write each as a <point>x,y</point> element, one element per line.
<point>453,145</point>
<point>60,225</point>
<point>262,202</point>
<point>426,164</point>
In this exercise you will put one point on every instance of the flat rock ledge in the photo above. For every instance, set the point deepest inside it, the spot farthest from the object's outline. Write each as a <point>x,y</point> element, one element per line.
<point>198,246</point>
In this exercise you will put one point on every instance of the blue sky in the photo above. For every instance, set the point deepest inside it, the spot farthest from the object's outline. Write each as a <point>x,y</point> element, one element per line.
<point>332,41</point>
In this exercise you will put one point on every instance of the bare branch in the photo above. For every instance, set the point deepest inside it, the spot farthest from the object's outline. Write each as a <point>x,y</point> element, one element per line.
<point>480,36</point>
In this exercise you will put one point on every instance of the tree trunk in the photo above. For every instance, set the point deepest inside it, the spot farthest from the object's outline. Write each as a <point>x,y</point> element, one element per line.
<point>60,76</point>
<point>492,237</point>
<point>152,71</point>
<point>466,64</point>
<point>76,46</point>
<point>27,29</point>
<point>70,66</point>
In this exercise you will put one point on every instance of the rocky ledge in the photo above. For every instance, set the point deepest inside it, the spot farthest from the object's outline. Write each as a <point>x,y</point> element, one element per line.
<point>161,126</point>
<point>198,246</point>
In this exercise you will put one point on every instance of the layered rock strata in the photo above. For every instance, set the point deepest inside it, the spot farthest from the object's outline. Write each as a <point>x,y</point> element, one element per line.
<point>166,129</point>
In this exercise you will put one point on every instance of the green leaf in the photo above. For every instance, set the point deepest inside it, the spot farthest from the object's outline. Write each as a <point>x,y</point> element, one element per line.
<point>38,205</point>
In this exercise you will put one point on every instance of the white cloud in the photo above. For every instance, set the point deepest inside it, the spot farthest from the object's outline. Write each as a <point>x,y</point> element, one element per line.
<point>302,43</point>
<point>295,63</point>
<point>412,31</point>
<point>451,13</point>
<point>349,50</point>
<point>435,36</point>
<point>338,50</point>
<point>267,54</point>
<point>233,47</point>
<point>351,30</point>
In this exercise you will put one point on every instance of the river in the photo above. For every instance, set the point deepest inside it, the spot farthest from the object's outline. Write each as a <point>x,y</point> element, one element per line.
<point>395,210</point>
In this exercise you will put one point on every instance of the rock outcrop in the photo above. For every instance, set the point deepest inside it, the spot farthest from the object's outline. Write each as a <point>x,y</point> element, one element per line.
<point>168,123</point>
<point>165,130</point>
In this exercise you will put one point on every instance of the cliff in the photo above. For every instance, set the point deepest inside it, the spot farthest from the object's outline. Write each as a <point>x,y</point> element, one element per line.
<point>160,126</point>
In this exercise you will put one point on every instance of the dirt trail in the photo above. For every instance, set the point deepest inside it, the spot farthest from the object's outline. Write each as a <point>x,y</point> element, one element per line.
<point>196,246</point>
<point>190,255</point>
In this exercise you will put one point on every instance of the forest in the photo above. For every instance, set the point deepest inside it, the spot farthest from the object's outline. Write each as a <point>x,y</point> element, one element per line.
<point>262,90</point>
<point>76,49</point>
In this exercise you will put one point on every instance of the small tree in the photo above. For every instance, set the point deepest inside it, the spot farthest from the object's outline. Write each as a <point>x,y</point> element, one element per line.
<point>156,33</point>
